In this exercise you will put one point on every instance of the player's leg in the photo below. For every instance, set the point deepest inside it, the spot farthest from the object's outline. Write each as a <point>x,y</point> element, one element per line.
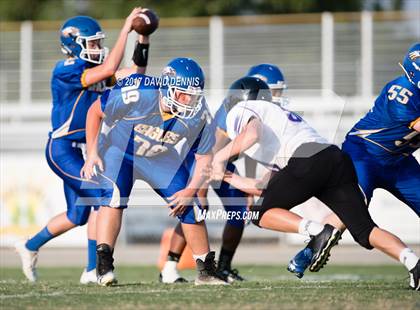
<point>116,184</point>
<point>232,235</point>
<point>354,214</point>
<point>28,249</point>
<point>170,178</point>
<point>80,195</point>
<point>234,201</point>
<point>301,179</point>
<point>169,272</point>
<point>65,160</point>
<point>89,273</point>
<point>405,184</point>
<point>344,197</point>
<point>368,174</point>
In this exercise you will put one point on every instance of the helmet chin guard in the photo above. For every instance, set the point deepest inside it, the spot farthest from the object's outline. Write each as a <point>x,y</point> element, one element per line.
<point>182,110</point>
<point>96,56</point>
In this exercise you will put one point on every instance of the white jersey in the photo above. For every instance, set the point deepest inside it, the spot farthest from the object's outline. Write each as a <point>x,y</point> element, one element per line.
<point>282,132</point>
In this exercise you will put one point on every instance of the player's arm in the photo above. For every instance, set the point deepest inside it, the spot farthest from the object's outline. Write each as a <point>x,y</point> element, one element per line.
<point>412,138</point>
<point>181,199</point>
<point>416,124</point>
<point>222,140</point>
<point>93,124</point>
<point>140,58</point>
<point>246,139</point>
<point>112,62</point>
<point>202,196</point>
<point>248,185</point>
<point>250,172</point>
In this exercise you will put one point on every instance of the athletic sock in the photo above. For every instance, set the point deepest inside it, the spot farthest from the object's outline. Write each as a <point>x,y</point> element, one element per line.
<point>408,258</point>
<point>39,239</point>
<point>225,259</point>
<point>201,257</point>
<point>91,255</point>
<point>169,267</point>
<point>173,257</point>
<point>310,228</point>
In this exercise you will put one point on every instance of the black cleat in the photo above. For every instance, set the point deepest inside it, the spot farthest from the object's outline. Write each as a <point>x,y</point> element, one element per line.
<point>105,267</point>
<point>230,275</point>
<point>207,274</point>
<point>321,246</point>
<point>415,277</point>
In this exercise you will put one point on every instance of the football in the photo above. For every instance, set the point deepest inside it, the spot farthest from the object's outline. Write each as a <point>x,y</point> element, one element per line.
<point>146,23</point>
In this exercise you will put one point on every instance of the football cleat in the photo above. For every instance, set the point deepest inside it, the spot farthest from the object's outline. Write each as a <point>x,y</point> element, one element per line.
<point>207,274</point>
<point>107,279</point>
<point>29,259</point>
<point>415,277</point>
<point>230,275</point>
<point>180,279</point>
<point>105,267</point>
<point>169,274</point>
<point>88,277</point>
<point>300,262</point>
<point>321,246</point>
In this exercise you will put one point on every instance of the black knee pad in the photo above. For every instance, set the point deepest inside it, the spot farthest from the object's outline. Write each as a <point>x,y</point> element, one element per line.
<point>362,237</point>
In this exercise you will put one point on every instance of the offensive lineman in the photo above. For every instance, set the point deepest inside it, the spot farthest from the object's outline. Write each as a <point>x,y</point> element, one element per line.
<point>146,118</point>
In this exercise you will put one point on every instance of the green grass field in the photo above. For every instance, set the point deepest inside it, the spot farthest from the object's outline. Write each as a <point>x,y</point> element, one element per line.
<point>268,287</point>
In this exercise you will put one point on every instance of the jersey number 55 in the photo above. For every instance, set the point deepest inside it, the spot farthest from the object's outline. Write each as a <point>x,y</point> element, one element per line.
<point>401,94</point>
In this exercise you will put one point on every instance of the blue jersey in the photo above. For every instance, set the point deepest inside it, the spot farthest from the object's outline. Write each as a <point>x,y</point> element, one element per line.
<point>71,99</point>
<point>140,128</point>
<point>386,129</point>
<point>220,118</point>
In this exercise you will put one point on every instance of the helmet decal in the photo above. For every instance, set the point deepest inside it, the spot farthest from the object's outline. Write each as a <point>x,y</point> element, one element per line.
<point>414,55</point>
<point>411,64</point>
<point>169,71</point>
<point>70,32</point>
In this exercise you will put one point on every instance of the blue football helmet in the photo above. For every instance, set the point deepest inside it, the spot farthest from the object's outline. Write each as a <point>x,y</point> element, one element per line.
<point>411,64</point>
<point>272,75</point>
<point>78,34</point>
<point>181,87</point>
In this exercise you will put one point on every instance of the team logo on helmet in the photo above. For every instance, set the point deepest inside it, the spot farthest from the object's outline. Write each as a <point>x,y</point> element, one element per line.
<point>414,55</point>
<point>70,31</point>
<point>169,71</point>
<point>261,77</point>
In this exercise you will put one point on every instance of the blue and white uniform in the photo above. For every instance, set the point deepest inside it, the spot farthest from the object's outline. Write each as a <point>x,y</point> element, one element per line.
<point>382,142</point>
<point>141,142</point>
<point>71,101</point>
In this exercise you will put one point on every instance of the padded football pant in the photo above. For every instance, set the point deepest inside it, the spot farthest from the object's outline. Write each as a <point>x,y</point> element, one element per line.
<point>401,178</point>
<point>65,158</point>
